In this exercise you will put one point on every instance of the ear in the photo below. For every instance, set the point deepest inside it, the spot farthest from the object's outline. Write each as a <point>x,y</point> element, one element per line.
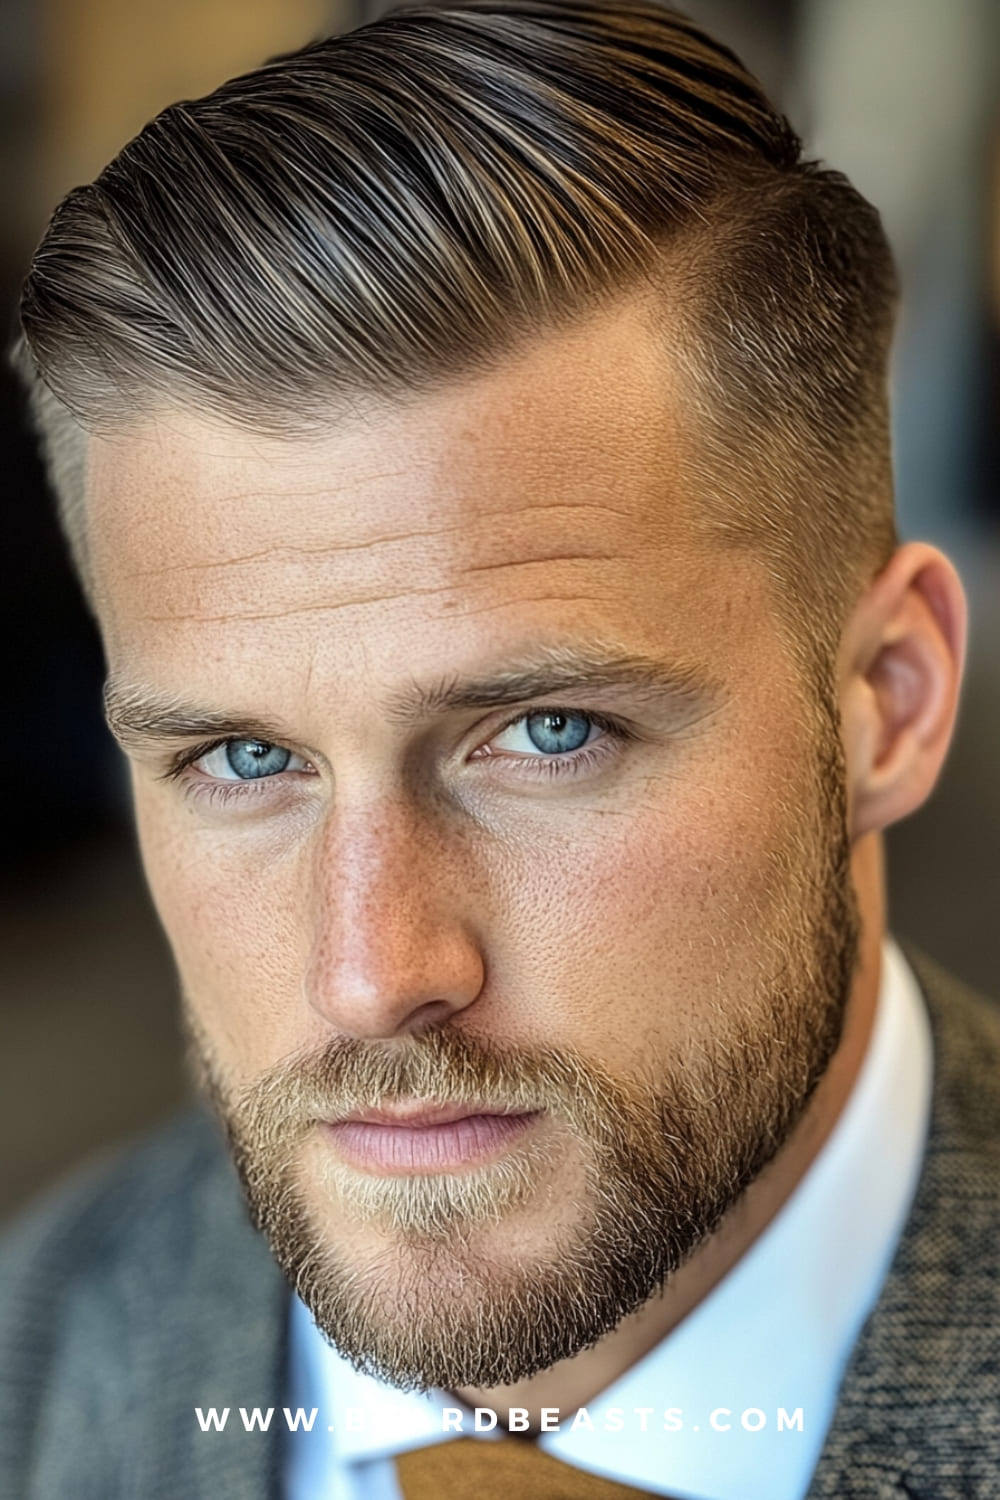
<point>900,667</point>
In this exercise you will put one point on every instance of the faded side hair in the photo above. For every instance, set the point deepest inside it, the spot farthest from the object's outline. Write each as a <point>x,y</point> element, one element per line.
<point>407,203</point>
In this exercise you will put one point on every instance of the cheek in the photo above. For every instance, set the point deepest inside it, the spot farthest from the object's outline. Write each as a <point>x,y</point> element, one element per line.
<point>232,924</point>
<point>626,929</point>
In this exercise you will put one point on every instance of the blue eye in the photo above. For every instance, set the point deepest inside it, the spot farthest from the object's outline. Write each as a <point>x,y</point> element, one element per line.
<point>555,742</point>
<point>247,760</point>
<point>557,733</point>
<point>250,759</point>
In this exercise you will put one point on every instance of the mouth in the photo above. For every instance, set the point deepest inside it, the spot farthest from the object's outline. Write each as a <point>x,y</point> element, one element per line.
<point>422,1137</point>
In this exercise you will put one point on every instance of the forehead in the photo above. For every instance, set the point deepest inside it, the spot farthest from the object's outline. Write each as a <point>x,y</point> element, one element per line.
<point>550,495</point>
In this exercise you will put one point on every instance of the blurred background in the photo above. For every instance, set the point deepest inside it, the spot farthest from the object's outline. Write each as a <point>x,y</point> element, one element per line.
<point>900,94</point>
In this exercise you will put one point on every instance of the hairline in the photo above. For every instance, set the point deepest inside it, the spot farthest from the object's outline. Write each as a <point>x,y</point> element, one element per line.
<point>66,438</point>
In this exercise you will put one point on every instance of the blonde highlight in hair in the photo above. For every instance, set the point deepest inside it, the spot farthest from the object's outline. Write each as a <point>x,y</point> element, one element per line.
<point>406,204</point>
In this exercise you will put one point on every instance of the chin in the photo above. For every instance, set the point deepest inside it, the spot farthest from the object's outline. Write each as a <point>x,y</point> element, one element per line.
<point>485,1306</point>
<point>474,1279</point>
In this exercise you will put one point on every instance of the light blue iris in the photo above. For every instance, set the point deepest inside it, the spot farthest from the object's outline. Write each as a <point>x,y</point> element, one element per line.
<point>251,759</point>
<point>557,734</point>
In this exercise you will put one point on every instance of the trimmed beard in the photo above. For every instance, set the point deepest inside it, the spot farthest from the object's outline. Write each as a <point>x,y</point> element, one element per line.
<point>429,1300</point>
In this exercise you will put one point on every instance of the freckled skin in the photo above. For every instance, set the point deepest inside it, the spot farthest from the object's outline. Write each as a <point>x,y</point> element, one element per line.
<point>406,882</point>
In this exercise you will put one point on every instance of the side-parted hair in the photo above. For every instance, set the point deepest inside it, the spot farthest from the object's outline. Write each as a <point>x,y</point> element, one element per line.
<point>409,203</point>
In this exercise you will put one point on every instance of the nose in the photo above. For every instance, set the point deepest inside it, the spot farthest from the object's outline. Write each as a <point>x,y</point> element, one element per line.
<point>393,950</point>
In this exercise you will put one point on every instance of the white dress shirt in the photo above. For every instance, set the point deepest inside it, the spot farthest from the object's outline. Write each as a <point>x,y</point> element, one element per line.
<point>774,1335</point>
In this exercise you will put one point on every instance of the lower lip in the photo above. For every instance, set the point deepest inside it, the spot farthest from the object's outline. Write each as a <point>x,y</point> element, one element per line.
<point>426,1148</point>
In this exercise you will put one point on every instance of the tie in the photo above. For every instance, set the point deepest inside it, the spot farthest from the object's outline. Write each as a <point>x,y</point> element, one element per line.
<point>511,1469</point>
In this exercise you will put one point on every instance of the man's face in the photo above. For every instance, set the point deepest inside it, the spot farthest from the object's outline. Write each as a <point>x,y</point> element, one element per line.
<point>473,778</point>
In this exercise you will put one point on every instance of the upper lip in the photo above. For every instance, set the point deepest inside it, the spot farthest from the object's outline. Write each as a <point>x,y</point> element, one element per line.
<point>418,1114</point>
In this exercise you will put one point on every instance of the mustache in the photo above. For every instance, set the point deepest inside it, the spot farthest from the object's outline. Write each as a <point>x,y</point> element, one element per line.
<point>442,1066</point>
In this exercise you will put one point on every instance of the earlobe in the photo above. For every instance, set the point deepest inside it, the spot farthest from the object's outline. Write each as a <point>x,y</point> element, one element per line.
<point>901,666</point>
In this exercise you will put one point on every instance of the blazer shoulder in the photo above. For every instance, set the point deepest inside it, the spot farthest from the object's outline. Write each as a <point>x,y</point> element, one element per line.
<point>100,1217</point>
<point>117,1292</point>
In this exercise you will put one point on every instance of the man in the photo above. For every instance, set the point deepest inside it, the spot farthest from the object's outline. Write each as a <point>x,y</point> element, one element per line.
<point>472,435</point>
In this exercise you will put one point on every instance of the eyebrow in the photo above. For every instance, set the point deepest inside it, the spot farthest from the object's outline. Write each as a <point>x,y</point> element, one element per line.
<point>136,715</point>
<point>556,671</point>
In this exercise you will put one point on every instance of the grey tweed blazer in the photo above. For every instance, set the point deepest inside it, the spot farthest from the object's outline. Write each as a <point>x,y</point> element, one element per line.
<point>141,1292</point>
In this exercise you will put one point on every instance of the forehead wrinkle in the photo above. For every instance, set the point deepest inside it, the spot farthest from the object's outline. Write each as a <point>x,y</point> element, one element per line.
<point>328,549</point>
<point>549,557</point>
<point>294,611</point>
<point>594,594</point>
<point>318,609</point>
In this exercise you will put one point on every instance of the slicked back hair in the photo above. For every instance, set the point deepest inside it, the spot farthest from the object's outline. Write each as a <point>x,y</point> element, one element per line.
<point>405,205</point>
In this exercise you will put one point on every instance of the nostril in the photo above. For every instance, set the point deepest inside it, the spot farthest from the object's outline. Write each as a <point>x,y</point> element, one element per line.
<point>429,1015</point>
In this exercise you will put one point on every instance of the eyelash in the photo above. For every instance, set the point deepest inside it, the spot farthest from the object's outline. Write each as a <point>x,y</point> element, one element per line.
<point>542,767</point>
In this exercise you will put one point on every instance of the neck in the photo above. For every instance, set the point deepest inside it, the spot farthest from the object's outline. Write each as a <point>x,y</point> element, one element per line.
<point>573,1382</point>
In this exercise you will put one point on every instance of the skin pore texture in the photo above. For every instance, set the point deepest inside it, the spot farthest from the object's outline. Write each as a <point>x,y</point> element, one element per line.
<point>661,945</point>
